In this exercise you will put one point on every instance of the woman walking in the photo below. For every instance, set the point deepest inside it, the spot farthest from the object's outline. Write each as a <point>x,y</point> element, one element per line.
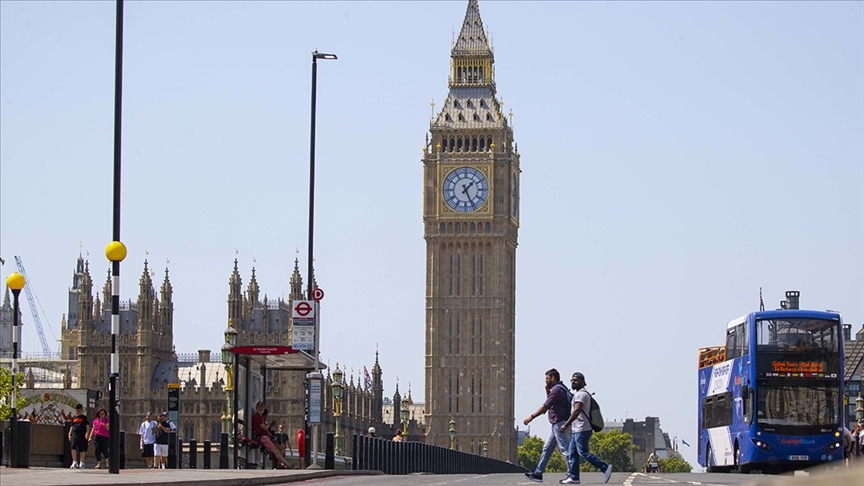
<point>99,435</point>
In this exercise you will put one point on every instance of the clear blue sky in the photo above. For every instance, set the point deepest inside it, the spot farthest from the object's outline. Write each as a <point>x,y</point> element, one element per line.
<point>676,157</point>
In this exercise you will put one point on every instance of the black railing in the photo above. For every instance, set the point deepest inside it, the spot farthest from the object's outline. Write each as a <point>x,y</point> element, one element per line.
<point>376,454</point>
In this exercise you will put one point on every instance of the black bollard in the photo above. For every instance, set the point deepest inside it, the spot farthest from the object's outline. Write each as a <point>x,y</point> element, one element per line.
<point>329,459</point>
<point>179,453</point>
<point>122,448</point>
<point>24,442</point>
<point>223,450</point>
<point>67,446</point>
<point>172,450</point>
<point>193,454</point>
<point>207,454</point>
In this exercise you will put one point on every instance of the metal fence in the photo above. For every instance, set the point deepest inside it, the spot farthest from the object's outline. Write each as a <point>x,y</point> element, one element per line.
<point>377,454</point>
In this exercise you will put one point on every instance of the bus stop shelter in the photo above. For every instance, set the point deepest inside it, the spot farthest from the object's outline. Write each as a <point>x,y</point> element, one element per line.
<point>251,364</point>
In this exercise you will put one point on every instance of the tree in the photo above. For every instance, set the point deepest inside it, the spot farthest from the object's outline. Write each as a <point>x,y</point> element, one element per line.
<point>675,465</point>
<point>6,392</point>
<point>528,455</point>
<point>613,447</point>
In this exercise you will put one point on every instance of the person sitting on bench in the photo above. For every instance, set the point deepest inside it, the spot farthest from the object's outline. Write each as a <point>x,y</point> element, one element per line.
<point>261,433</point>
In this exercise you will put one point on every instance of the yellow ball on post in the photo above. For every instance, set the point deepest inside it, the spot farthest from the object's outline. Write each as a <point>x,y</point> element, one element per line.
<point>15,281</point>
<point>115,251</point>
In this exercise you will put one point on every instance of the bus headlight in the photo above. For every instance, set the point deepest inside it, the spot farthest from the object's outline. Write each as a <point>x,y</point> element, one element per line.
<point>832,447</point>
<point>761,444</point>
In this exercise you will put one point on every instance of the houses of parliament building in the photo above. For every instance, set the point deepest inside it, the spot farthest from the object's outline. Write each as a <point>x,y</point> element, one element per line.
<point>471,172</point>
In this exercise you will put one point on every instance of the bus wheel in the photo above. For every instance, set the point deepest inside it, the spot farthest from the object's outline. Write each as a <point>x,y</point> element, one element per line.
<point>738,467</point>
<point>709,458</point>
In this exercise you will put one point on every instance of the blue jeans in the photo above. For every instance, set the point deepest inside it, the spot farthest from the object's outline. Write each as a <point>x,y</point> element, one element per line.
<point>562,439</point>
<point>579,448</point>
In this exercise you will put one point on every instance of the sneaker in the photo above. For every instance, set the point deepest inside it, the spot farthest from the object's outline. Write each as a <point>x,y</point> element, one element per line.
<point>568,480</point>
<point>163,466</point>
<point>74,465</point>
<point>80,465</point>
<point>98,465</point>
<point>537,478</point>
<point>608,472</point>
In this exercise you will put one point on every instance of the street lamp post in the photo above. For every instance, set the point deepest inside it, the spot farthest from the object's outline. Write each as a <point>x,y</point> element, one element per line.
<point>309,285</point>
<point>403,414</point>
<point>116,252</point>
<point>336,388</point>
<point>229,359</point>
<point>452,433</point>
<point>859,408</point>
<point>15,282</point>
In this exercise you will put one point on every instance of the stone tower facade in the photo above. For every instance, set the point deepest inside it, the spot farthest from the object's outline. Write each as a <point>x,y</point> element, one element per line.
<point>145,342</point>
<point>149,363</point>
<point>471,222</point>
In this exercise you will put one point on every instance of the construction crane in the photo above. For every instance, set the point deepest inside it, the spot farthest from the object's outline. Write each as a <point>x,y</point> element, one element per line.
<point>32,302</point>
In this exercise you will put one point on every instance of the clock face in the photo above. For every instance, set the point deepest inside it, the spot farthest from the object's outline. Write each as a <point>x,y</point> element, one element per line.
<point>465,189</point>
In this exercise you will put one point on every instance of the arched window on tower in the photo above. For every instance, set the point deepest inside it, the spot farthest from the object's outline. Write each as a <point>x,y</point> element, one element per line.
<point>473,227</point>
<point>459,143</point>
<point>452,145</point>
<point>474,140</point>
<point>480,80</point>
<point>483,143</point>
<point>443,227</point>
<point>458,227</point>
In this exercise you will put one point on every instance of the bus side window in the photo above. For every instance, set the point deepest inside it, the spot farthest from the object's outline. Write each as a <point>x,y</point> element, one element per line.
<point>732,350</point>
<point>737,342</point>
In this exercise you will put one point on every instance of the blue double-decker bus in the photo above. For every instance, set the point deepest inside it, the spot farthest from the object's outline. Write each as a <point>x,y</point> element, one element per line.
<point>772,397</point>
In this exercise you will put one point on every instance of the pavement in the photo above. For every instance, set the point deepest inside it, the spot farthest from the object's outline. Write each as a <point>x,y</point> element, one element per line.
<point>48,476</point>
<point>815,476</point>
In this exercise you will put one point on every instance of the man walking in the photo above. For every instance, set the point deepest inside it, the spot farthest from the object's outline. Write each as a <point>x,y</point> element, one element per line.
<point>148,438</point>
<point>78,434</point>
<point>581,428</point>
<point>558,405</point>
<point>160,447</point>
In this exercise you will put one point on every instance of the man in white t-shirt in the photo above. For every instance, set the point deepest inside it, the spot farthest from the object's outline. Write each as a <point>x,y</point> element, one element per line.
<point>581,433</point>
<point>147,439</point>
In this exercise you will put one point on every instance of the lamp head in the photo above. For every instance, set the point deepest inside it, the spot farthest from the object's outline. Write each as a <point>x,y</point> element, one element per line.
<point>322,55</point>
<point>15,282</point>
<point>227,357</point>
<point>115,251</point>
<point>231,335</point>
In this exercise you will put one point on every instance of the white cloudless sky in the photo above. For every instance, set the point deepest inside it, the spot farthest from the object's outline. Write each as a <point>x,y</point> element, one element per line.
<point>676,157</point>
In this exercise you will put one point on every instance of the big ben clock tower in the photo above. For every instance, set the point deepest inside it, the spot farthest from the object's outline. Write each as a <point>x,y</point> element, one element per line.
<point>471,222</point>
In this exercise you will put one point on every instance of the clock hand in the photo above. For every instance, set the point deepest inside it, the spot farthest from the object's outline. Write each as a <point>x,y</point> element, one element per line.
<point>466,187</point>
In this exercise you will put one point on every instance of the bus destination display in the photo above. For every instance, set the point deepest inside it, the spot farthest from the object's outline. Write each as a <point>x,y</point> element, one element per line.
<point>780,368</point>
